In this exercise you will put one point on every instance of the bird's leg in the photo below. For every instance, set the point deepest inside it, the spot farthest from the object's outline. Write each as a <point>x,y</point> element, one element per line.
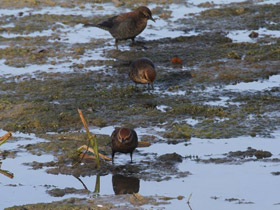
<point>133,40</point>
<point>131,157</point>
<point>116,43</point>
<point>113,154</point>
<point>152,84</point>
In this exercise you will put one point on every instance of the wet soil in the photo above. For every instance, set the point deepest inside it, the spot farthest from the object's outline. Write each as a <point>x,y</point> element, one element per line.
<point>45,102</point>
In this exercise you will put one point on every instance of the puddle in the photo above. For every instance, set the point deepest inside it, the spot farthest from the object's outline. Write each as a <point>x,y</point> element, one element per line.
<point>27,186</point>
<point>162,108</point>
<point>243,35</point>
<point>224,101</point>
<point>30,69</point>
<point>7,12</point>
<point>240,181</point>
<point>204,148</point>
<point>273,81</point>
<point>61,66</point>
<point>33,34</point>
<point>191,122</point>
<point>8,25</point>
<point>81,34</point>
<point>268,2</point>
<point>88,10</point>
<point>197,2</point>
<point>154,130</point>
<point>165,28</point>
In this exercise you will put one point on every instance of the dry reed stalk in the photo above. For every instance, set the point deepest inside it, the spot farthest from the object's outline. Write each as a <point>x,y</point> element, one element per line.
<point>85,147</point>
<point>143,144</point>
<point>92,138</point>
<point>5,137</point>
<point>7,173</point>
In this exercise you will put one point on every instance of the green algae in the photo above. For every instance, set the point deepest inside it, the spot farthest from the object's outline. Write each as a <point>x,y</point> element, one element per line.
<point>47,3</point>
<point>199,110</point>
<point>208,129</point>
<point>243,16</point>
<point>230,11</point>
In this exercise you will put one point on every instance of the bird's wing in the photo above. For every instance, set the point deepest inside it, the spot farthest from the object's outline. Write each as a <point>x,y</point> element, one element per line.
<point>107,24</point>
<point>113,21</point>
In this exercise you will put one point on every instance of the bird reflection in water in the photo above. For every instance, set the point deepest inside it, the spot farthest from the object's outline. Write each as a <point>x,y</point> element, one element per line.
<point>125,184</point>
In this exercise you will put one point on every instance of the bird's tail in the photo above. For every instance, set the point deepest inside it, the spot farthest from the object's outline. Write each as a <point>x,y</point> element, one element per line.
<point>90,25</point>
<point>150,75</point>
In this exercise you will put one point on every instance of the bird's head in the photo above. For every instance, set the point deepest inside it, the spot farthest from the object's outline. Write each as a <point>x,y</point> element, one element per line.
<point>124,135</point>
<point>146,12</point>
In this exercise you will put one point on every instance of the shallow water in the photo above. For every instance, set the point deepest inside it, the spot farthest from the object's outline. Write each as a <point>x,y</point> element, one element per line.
<point>243,35</point>
<point>249,181</point>
<point>162,108</point>
<point>216,1</point>
<point>210,184</point>
<point>31,69</point>
<point>273,81</point>
<point>269,2</point>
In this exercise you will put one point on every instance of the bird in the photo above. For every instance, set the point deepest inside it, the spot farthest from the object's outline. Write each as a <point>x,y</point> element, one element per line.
<point>123,140</point>
<point>127,25</point>
<point>142,70</point>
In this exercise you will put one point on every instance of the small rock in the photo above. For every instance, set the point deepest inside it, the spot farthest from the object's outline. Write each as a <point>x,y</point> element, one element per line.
<point>80,65</point>
<point>276,173</point>
<point>260,154</point>
<point>171,158</point>
<point>253,34</point>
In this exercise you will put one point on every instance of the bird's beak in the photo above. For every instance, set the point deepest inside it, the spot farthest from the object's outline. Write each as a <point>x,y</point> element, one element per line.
<point>151,18</point>
<point>123,140</point>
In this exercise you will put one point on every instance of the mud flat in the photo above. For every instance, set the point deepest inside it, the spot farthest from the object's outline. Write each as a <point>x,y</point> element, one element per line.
<point>212,120</point>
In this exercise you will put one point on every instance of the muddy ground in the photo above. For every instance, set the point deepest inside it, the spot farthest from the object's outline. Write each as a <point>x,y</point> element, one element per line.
<point>46,101</point>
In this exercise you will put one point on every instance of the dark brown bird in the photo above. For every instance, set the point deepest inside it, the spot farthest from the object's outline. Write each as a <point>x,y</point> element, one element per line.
<point>142,70</point>
<point>127,25</point>
<point>124,140</point>
<point>125,184</point>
